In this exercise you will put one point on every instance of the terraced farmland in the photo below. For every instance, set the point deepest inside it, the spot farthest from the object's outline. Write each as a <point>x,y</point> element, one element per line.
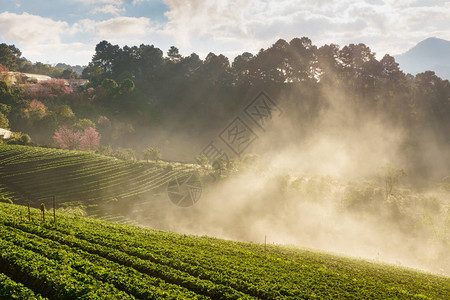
<point>84,258</point>
<point>99,183</point>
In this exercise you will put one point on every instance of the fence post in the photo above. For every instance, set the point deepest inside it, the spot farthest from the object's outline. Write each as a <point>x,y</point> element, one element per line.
<point>54,209</point>
<point>43,211</point>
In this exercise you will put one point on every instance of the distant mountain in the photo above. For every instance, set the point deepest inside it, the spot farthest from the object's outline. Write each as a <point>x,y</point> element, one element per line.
<point>431,54</point>
<point>77,69</point>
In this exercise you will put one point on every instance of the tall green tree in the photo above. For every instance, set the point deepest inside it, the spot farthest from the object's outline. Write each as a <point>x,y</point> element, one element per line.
<point>174,54</point>
<point>4,122</point>
<point>302,59</point>
<point>8,56</point>
<point>104,56</point>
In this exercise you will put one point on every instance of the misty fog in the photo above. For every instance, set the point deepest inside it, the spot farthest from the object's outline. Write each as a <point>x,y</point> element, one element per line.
<point>325,189</point>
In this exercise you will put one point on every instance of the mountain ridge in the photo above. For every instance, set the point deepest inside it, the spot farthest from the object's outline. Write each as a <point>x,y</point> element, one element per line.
<point>431,54</point>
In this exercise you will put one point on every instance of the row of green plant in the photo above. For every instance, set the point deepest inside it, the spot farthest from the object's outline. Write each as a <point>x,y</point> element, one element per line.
<point>9,289</point>
<point>165,273</point>
<point>211,267</point>
<point>36,174</point>
<point>124,278</point>
<point>50,277</point>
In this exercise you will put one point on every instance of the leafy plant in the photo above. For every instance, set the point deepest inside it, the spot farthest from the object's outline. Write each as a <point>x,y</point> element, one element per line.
<point>85,258</point>
<point>390,176</point>
<point>152,153</point>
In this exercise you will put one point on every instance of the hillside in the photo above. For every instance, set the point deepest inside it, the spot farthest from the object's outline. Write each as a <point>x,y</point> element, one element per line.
<point>92,259</point>
<point>430,54</point>
<point>100,185</point>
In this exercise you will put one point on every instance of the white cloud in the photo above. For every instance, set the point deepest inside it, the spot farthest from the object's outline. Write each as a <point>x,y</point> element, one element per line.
<point>30,29</point>
<point>387,26</point>
<point>123,27</point>
<point>113,7</point>
<point>108,9</point>
<point>112,2</point>
<point>139,1</point>
<point>121,30</point>
<point>232,27</point>
<point>75,53</point>
<point>41,39</point>
<point>85,26</point>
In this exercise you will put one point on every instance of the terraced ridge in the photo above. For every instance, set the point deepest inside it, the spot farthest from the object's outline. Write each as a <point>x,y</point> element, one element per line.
<point>84,258</point>
<point>32,174</point>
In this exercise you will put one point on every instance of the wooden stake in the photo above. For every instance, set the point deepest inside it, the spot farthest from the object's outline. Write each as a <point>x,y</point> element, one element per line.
<point>54,209</point>
<point>43,211</point>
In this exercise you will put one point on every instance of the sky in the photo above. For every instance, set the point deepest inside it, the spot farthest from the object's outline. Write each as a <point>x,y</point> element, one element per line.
<point>53,31</point>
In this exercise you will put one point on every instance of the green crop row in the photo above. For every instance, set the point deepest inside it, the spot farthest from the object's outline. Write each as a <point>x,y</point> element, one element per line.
<point>9,289</point>
<point>52,278</point>
<point>225,269</point>
<point>170,275</point>
<point>31,174</point>
<point>123,278</point>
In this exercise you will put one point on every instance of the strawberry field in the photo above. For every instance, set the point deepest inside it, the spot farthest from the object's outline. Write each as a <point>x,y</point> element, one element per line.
<point>100,184</point>
<point>74,257</point>
<point>83,258</point>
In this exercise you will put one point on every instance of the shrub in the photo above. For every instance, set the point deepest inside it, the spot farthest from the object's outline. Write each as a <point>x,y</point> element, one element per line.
<point>153,153</point>
<point>19,138</point>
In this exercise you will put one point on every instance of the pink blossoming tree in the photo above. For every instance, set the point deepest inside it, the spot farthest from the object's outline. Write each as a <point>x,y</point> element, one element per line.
<point>68,138</point>
<point>90,140</point>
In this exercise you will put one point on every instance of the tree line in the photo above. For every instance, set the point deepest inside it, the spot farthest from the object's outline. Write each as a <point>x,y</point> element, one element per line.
<point>353,68</point>
<point>11,58</point>
<point>141,87</point>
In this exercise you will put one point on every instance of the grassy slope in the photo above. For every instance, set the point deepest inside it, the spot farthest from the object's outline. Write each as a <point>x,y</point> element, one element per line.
<point>100,183</point>
<point>89,258</point>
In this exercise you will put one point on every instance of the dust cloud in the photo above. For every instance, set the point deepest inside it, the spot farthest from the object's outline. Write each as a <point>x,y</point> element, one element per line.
<point>324,188</point>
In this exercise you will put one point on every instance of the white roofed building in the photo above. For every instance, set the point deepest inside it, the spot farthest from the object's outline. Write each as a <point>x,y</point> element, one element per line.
<point>5,134</point>
<point>36,78</point>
